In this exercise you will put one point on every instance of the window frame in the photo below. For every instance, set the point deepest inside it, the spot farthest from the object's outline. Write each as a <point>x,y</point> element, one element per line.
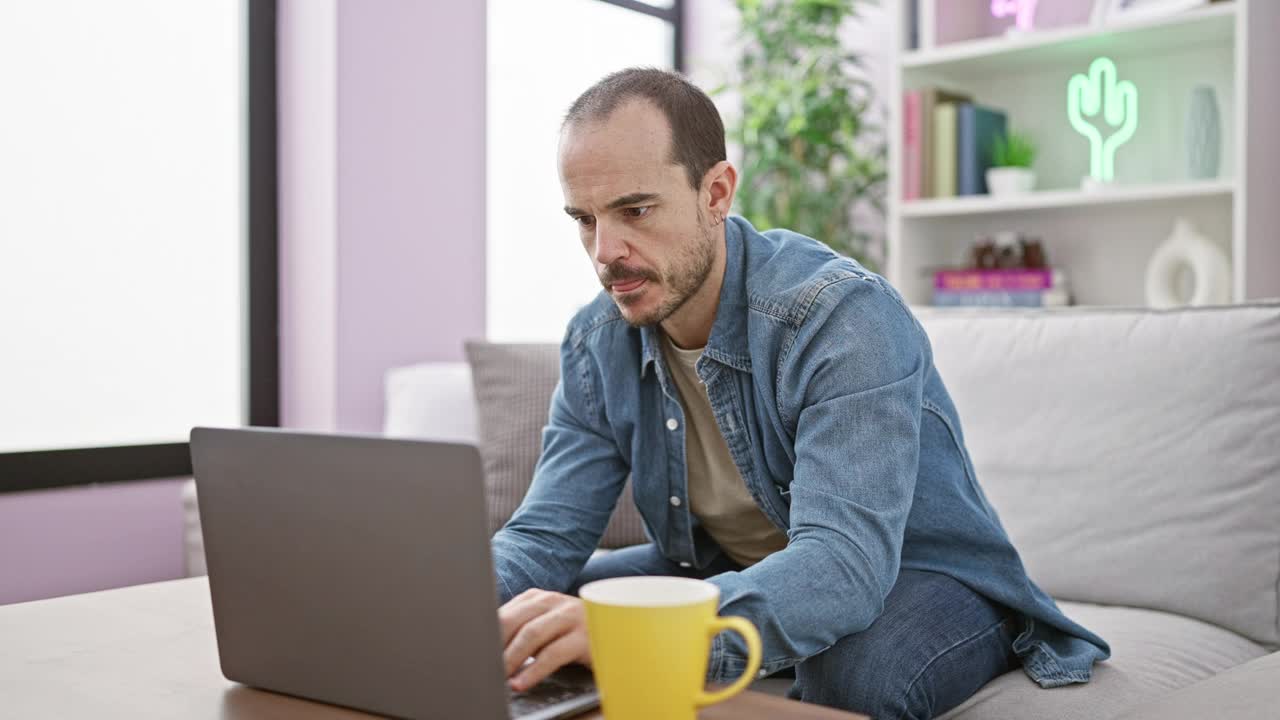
<point>673,15</point>
<point>46,469</point>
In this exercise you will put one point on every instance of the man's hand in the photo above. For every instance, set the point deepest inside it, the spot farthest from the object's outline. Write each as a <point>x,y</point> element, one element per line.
<point>547,626</point>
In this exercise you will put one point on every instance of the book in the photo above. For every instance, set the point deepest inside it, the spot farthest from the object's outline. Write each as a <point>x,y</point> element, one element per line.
<point>913,24</point>
<point>989,298</point>
<point>911,146</point>
<point>944,150</point>
<point>1013,279</point>
<point>977,128</point>
<point>930,99</point>
<point>917,139</point>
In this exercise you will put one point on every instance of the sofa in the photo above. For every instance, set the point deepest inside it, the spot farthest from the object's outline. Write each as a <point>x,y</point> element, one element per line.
<point>1133,456</point>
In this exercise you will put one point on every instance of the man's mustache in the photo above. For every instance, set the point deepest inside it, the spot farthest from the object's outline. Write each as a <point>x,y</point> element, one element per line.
<point>616,273</point>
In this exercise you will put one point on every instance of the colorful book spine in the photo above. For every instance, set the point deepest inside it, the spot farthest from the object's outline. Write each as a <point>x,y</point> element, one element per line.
<point>1012,280</point>
<point>977,128</point>
<point>944,150</point>
<point>912,146</point>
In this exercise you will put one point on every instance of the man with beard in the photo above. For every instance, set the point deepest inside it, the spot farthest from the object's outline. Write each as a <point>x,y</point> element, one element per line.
<point>788,436</point>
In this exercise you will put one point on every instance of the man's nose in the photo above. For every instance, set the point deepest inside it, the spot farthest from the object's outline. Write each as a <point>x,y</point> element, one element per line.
<point>610,245</point>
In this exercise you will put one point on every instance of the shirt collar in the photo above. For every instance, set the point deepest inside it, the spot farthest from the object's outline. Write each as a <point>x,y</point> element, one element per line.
<point>727,343</point>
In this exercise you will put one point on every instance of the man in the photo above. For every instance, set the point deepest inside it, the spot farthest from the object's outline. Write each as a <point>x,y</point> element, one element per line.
<point>787,433</point>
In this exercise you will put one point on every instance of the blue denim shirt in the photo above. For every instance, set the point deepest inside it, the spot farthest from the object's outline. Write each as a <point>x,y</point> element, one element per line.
<point>824,387</point>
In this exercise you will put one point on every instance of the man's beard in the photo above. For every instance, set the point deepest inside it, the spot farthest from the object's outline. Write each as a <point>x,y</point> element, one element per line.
<point>687,274</point>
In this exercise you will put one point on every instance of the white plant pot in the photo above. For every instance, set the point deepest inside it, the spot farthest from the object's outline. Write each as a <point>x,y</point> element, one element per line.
<point>1010,180</point>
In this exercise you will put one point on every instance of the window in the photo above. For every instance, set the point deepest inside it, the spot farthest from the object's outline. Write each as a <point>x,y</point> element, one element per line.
<point>538,275</point>
<point>137,233</point>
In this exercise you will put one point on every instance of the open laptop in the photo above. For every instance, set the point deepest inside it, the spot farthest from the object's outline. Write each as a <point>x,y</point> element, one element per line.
<point>355,570</point>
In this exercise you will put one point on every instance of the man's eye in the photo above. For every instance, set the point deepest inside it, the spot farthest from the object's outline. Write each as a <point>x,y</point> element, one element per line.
<point>585,220</point>
<point>636,212</point>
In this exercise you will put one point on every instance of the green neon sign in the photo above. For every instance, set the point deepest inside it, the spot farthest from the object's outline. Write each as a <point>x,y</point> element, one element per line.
<point>1099,93</point>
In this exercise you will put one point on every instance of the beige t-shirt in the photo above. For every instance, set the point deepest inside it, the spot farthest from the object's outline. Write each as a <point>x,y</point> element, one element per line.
<point>718,496</point>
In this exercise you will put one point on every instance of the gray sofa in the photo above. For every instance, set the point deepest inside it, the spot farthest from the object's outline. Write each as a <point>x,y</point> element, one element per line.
<point>1134,457</point>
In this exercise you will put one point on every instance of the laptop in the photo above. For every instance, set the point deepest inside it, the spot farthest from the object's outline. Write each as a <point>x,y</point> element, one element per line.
<point>356,570</point>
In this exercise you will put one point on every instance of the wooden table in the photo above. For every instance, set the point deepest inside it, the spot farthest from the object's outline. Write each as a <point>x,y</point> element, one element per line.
<point>149,652</point>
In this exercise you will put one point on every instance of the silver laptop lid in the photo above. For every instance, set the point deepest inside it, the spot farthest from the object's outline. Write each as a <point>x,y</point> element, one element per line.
<point>354,570</point>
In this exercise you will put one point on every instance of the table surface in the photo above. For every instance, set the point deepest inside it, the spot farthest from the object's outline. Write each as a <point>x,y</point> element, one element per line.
<point>149,652</point>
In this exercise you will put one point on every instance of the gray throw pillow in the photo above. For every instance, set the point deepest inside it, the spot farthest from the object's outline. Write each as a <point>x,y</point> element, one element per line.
<point>513,383</point>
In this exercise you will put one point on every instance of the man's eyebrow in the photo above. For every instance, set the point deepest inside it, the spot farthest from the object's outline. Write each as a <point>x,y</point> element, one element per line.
<point>632,199</point>
<point>625,200</point>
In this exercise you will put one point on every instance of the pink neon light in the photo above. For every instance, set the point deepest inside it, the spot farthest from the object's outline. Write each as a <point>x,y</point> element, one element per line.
<point>1025,10</point>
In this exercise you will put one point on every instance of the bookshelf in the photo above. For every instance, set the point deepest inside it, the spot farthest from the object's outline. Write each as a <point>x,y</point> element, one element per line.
<point>1103,238</point>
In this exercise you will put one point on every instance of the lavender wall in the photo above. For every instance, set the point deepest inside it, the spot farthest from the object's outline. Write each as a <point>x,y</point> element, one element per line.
<point>411,192</point>
<point>382,198</point>
<point>74,540</point>
<point>382,263</point>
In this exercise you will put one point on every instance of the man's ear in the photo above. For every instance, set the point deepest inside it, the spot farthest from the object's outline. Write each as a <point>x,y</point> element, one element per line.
<point>720,183</point>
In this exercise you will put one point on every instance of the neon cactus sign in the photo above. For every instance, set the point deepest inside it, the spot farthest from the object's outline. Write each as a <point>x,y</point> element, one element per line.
<point>1099,94</point>
<point>1023,11</point>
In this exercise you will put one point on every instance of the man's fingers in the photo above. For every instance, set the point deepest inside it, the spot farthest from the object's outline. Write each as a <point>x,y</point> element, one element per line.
<point>539,633</point>
<point>559,653</point>
<point>520,610</point>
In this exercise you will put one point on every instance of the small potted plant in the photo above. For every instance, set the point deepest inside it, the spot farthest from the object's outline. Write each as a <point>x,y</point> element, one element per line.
<point>1011,158</point>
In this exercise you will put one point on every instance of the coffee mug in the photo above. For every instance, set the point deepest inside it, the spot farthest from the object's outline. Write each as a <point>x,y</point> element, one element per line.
<point>650,639</point>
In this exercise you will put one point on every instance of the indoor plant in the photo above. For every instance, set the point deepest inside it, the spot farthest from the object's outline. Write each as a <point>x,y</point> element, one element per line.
<point>813,153</point>
<point>1011,158</point>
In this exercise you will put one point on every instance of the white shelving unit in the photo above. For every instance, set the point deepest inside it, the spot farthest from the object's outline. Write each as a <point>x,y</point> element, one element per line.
<point>1104,238</point>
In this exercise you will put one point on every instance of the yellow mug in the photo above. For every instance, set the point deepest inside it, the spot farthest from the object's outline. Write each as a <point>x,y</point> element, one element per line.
<point>650,640</point>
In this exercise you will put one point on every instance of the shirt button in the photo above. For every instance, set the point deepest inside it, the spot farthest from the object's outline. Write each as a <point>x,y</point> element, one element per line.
<point>685,565</point>
<point>675,501</point>
<point>672,424</point>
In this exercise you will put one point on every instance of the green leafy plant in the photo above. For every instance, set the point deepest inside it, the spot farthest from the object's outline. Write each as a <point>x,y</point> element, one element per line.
<point>1013,150</point>
<point>813,158</point>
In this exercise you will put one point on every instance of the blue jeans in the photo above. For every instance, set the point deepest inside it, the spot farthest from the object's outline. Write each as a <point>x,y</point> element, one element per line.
<point>934,645</point>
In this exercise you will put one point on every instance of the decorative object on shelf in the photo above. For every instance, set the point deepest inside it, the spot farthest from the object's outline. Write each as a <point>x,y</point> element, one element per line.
<point>815,153</point>
<point>984,254</point>
<point>977,128</point>
<point>1033,255</point>
<point>1101,95</point>
<point>1011,158</point>
<point>1008,250</point>
<point>1204,139</point>
<point>1122,11</point>
<point>1188,252</point>
<point>1009,269</point>
<point>1023,12</point>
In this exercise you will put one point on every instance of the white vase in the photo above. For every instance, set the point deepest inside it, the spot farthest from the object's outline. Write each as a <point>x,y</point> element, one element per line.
<point>1187,251</point>
<point>1010,180</point>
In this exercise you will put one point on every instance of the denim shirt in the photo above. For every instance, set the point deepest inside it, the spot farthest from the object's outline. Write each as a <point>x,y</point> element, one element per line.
<point>823,385</point>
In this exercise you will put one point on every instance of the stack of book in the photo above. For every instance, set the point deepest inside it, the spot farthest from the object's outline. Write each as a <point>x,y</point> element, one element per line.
<point>1017,287</point>
<point>947,142</point>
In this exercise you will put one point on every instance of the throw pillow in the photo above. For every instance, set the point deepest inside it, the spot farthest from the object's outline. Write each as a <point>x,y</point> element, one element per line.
<point>513,384</point>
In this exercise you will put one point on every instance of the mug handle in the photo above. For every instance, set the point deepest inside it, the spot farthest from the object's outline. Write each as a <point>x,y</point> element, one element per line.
<point>743,627</point>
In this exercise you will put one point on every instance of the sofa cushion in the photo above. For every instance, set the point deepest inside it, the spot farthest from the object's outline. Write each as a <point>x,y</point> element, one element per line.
<point>513,385</point>
<point>1152,654</point>
<point>431,401</point>
<point>1245,692</point>
<point>1133,455</point>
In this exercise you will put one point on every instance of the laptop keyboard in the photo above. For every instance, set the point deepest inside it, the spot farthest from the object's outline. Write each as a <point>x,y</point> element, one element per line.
<point>563,686</point>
